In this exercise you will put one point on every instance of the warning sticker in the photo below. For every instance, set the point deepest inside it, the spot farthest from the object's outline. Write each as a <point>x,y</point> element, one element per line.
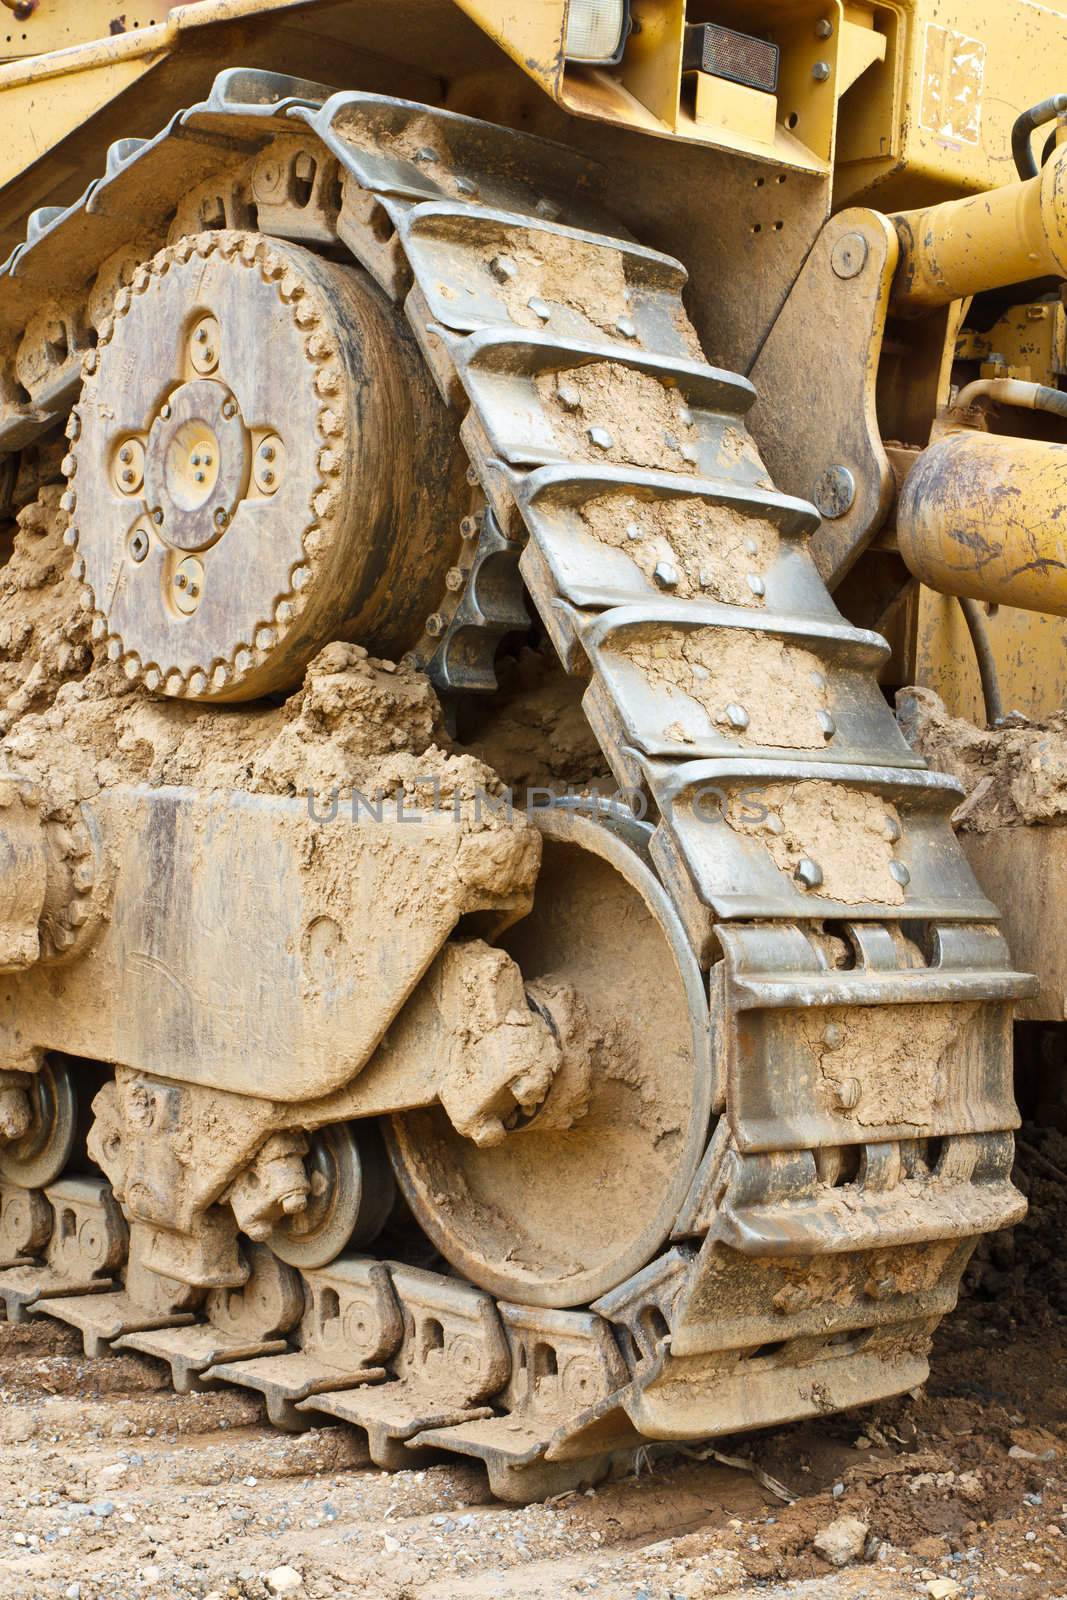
<point>953,77</point>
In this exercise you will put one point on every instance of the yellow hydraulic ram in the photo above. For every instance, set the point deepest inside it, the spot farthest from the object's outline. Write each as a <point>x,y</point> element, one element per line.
<point>987,241</point>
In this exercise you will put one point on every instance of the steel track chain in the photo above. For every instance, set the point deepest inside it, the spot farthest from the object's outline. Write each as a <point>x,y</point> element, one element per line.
<point>829,1224</point>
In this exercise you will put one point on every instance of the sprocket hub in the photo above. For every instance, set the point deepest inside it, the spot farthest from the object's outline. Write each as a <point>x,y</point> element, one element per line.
<point>252,428</point>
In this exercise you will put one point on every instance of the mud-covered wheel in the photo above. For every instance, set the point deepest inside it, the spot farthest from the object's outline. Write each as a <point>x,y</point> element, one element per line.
<point>556,1215</point>
<point>43,1151</point>
<point>352,1193</point>
<point>254,427</point>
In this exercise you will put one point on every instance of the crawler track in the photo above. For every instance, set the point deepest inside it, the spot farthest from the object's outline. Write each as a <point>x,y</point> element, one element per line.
<point>846,946</point>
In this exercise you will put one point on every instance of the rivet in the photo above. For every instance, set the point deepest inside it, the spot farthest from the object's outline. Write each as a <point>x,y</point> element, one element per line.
<point>502,268</point>
<point>848,1094</point>
<point>208,460</point>
<point>268,476</point>
<point>737,716</point>
<point>601,438</point>
<point>128,476</point>
<point>756,584</point>
<point>666,575</point>
<point>195,459</point>
<point>808,873</point>
<point>899,872</point>
<point>627,327</point>
<point>827,724</point>
<point>194,590</point>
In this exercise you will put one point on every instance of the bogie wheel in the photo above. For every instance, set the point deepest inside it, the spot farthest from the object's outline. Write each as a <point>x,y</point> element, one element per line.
<point>352,1194</point>
<point>44,1150</point>
<point>556,1215</point>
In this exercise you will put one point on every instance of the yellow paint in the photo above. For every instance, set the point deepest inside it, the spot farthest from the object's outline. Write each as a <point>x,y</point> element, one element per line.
<point>530,31</point>
<point>1030,651</point>
<point>734,109</point>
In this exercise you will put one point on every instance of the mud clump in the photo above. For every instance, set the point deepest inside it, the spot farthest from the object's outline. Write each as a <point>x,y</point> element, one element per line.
<point>753,688</point>
<point>711,551</point>
<point>356,724</point>
<point>638,420</point>
<point>534,733</point>
<point>44,633</point>
<point>1013,776</point>
<point>848,833</point>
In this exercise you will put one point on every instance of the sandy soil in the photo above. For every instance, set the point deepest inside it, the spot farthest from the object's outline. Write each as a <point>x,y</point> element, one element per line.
<point>112,1488</point>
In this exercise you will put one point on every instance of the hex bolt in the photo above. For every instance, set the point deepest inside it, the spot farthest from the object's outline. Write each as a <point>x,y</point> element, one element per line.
<point>633,531</point>
<point>181,581</point>
<point>756,584</point>
<point>808,873</point>
<point>157,515</point>
<point>125,454</point>
<point>469,527</point>
<point>503,268</point>
<point>666,575</point>
<point>454,578</point>
<point>569,396</point>
<point>199,476</point>
<point>848,1094</point>
<point>128,476</point>
<point>737,716</point>
<point>267,452</point>
<point>601,438</point>
<point>194,590</point>
<point>222,517</point>
<point>539,307</point>
<point>827,724</point>
<point>899,873</point>
<point>427,154</point>
<point>824,29</point>
<point>229,408</point>
<point>435,625</point>
<point>467,186</point>
<point>821,71</point>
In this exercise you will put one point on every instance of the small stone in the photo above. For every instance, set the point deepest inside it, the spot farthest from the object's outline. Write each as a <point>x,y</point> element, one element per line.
<point>103,1508</point>
<point>390,1545</point>
<point>73,1591</point>
<point>944,1589</point>
<point>151,1574</point>
<point>841,1541</point>
<point>284,1580</point>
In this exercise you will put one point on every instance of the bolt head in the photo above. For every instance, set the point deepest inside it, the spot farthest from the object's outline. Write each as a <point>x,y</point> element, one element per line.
<point>199,476</point>
<point>426,155</point>
<point>848,1094</point>
<point>469,527</point>
<point>627,327</point>
<point>222,517</point>
<point>164,412</point>
<point>737,716</point>
<point>601,438</point>
<point>125,454</point>
<point>827,724</point>
<point>849,255</point>
<point>824,29</point>
<point>539,307</point>
<point>128,476</point>
<point>808,873</point>
<point>756,584</point>
<point>569,396</point>
<point>201,336</point>
<point>665,575</point>
<point>503,268</point>
<point>157,515</point>
<point>821,71</point>
<point>181,581</point>
<point>435,625</point>
<point>267,452</point>
<point>835,492</point>
<point>899,873</point>
<point>833,1036</point>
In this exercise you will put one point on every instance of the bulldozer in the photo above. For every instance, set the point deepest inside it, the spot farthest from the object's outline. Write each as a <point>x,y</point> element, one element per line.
<point>502,504</point>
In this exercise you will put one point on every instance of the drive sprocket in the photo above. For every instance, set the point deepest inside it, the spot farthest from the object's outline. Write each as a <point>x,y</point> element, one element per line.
<point>236,476</point>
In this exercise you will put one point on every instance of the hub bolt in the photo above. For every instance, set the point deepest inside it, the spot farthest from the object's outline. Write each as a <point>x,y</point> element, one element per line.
<point>222,517</point>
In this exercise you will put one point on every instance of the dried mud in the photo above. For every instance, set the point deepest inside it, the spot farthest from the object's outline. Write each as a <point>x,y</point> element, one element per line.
<point>1013,776</point>
<point>779,688</point>
<point>645,423</point>
<point>713,550</point>
<point>848,833</point>
<point>44,634</point>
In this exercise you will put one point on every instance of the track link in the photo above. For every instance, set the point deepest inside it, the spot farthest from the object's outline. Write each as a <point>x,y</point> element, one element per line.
<point>861,1108</point>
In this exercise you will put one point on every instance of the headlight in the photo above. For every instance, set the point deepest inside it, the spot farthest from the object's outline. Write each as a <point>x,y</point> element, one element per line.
<point>597,30</point>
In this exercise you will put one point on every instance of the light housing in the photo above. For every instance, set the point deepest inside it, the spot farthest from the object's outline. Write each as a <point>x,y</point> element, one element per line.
<point>597,31</point>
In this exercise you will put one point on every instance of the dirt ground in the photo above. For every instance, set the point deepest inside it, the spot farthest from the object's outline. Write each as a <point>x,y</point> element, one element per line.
<point>111,1488</point>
